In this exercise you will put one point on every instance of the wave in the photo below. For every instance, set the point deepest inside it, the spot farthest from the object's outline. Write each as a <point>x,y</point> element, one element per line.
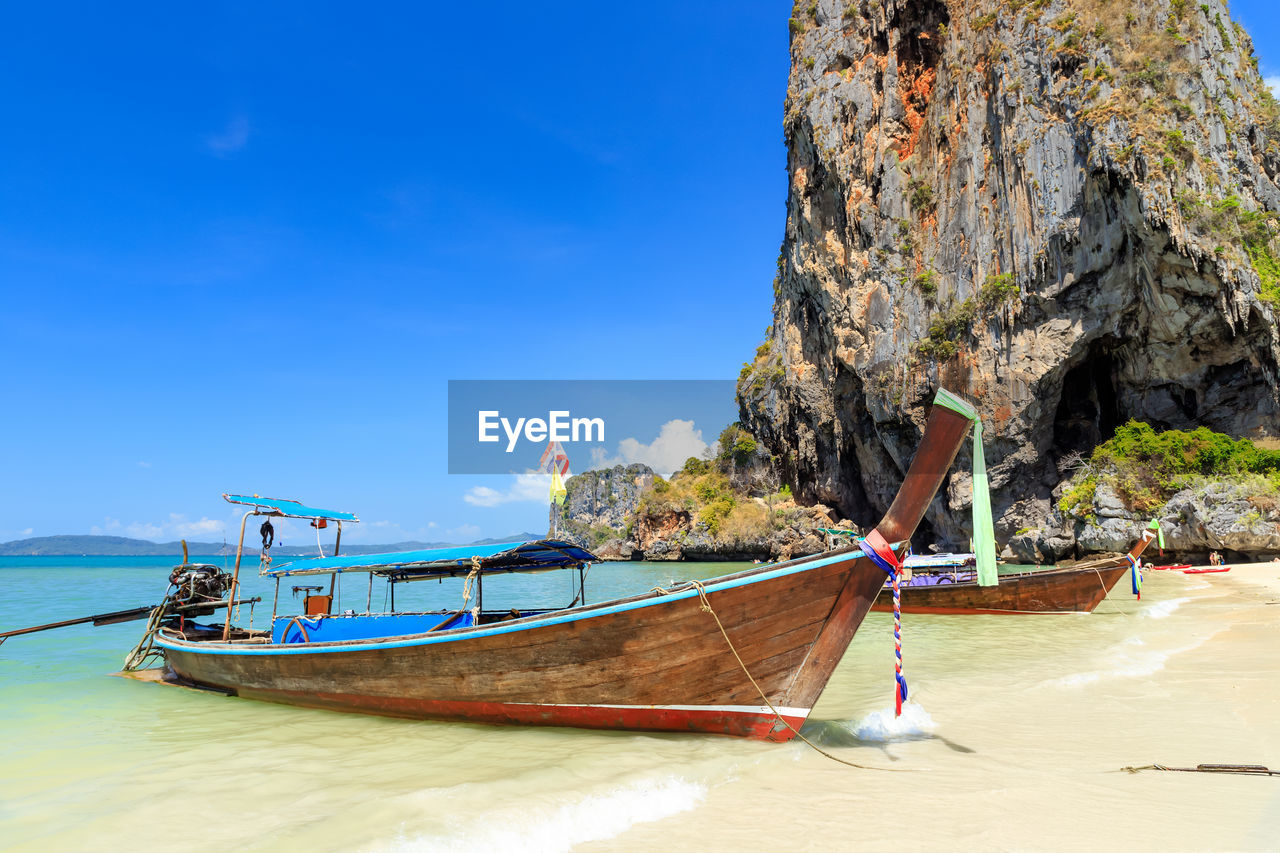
<point>538,826</point>
<point>1130,663</point>
<point>1161,609</point>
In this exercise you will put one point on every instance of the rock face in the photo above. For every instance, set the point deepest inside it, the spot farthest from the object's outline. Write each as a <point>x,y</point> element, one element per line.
<point>603,512</point>
<point>1231,518</point>
<point>599,507</point>
<point>676,535</point>
<point>1062,210</point>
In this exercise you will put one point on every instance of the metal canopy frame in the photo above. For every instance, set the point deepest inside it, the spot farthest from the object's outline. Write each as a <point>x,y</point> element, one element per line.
<point>279,508</point>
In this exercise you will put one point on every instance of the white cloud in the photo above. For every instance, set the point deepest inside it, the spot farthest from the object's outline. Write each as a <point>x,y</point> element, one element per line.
<point>384,531</point>
<point>676,442</point>
<point>144,464</point>
<point>183,529</point>
<point>142,530</point>
<point>463,533</point>
<point>525,487</point>
<point>1273,83</point>
<point>175,527</point>
<point>234,137</point>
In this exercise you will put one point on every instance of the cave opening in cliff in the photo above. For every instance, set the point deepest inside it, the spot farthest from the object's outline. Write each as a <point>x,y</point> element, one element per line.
<point>920,43</point>
<point>1089,410</point>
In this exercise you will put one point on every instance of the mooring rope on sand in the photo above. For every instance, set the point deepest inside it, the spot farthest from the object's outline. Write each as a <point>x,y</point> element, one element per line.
<point>706,607</point>
<point>1241,769</point>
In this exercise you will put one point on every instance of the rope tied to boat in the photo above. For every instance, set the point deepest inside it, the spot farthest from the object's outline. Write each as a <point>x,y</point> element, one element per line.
<point>879,551</point>
<point>146,646</point>
<point>469,580</point>
<point>704,604</point>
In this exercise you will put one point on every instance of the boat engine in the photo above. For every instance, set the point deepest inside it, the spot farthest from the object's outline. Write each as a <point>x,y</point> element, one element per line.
<point>197,583</point>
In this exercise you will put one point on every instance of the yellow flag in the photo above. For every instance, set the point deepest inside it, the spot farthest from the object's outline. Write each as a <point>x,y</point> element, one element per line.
<point>558,491</point>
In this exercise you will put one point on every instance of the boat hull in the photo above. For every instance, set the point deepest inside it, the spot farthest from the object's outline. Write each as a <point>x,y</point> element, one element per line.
<point>1049,591</point>
<point>657,662</point>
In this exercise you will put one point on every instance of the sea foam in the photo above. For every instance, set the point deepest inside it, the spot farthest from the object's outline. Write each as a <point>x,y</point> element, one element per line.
<point>1161,609</point>
<point>548,827</point>
<point>1126,662</point>
<point>882,726</point>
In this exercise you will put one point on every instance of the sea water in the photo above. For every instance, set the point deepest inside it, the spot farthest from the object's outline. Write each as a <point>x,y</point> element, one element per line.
<point>1014,737</point>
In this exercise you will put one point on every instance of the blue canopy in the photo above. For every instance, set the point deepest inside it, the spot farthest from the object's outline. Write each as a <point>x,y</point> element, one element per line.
<point>289,509</point>
<point>443,562</point>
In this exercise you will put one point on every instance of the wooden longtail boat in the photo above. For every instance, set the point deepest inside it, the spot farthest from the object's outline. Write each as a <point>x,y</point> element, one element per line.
<point>1077,589</point>
<point>657,661</point>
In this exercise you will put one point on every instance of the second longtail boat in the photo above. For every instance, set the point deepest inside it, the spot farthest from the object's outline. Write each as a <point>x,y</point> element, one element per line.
<point>1073,589</point>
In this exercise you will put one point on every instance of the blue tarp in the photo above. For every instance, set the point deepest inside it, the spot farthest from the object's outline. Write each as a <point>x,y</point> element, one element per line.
<point>433,562</point>
<point>327,629</point>
<point>292,509</point>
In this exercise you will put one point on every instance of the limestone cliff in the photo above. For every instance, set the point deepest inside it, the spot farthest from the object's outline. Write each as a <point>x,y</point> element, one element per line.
<point>599,507</point>
<point>1062,209</point>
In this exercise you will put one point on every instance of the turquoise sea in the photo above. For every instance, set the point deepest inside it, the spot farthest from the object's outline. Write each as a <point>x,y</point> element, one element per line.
<point>1013,739</point>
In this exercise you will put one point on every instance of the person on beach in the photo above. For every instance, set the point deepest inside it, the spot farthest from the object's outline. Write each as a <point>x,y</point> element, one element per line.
<point>1215,559</point>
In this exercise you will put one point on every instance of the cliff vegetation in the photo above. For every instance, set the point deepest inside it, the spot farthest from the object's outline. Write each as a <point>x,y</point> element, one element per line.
<point>729,506</point>
<point>1209,491</point>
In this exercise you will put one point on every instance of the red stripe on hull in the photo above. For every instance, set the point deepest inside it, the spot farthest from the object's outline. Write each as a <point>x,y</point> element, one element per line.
<point>711,721</point>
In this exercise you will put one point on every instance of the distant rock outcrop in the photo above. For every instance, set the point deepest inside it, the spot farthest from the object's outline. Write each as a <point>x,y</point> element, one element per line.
<point>786,530</point>
<point>1208,491</point>
<point>726,509</point>
<point>599,508</point>
<point>1062,210</point>
<point>1231,518</point>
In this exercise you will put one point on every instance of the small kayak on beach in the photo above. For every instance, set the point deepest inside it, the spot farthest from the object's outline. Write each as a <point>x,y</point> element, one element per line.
<point>1208,571</point>
<point>1177,568</point>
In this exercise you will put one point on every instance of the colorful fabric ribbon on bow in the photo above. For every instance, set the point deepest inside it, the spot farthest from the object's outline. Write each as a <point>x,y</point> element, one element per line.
<point>881,553</point>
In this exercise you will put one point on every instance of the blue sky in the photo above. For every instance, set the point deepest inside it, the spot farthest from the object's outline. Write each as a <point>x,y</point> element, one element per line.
<point>244,246</point>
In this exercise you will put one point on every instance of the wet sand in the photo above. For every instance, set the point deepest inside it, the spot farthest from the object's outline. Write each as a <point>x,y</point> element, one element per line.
<point>1018,742</point>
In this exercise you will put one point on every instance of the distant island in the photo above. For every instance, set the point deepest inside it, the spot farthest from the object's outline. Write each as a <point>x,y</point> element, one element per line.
<point>121,546</point>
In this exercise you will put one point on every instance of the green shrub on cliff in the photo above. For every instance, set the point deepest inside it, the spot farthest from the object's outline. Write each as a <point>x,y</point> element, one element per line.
<point>953,323</point>
<point>1176,453</point>
<point>1078,499</point>
<point>737,445</point>
<point>946,329</point>
<point>702,489</point>
<point>998,290</point>
<point>1146,467</point>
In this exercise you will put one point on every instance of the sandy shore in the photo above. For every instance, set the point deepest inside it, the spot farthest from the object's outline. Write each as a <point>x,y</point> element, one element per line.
<point>1266,575</point>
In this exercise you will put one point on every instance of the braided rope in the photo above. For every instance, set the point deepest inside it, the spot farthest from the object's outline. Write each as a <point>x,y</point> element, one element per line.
<point>880,552</point>
<point>1135,574</point>
<point>900,681</point>
<point>469,580</point>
